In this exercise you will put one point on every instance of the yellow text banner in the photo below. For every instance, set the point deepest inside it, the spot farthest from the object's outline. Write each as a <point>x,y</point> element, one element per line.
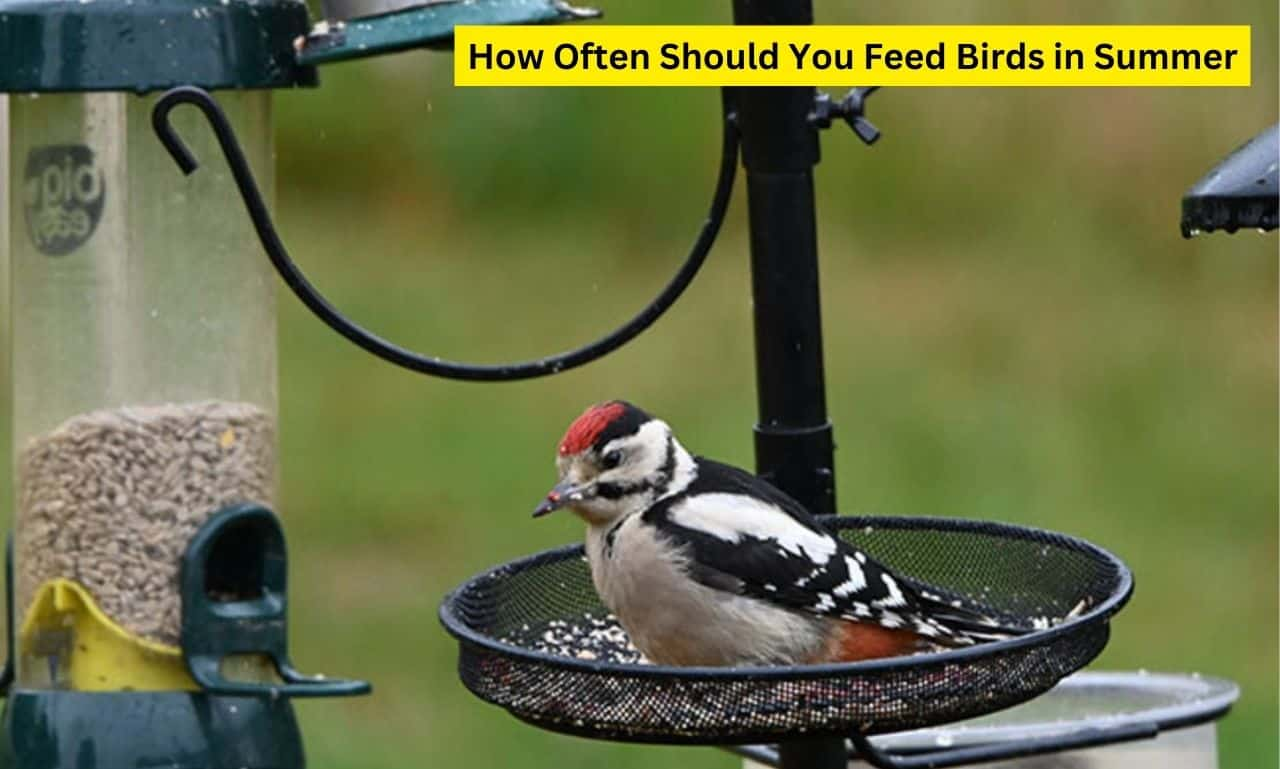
<point>589,55</point>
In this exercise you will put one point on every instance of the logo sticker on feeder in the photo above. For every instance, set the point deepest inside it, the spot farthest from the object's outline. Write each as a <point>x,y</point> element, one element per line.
<point>64,192</point>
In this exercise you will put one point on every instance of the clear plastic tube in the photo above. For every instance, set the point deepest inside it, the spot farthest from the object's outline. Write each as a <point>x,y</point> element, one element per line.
<point>144,368</point>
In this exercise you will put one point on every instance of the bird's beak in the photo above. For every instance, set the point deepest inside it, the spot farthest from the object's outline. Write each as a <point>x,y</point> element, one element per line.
<point>563,494</point>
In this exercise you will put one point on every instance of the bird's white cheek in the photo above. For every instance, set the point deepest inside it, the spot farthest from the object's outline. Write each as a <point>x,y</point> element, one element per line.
<point>594,512</point>
<point>598,511</point>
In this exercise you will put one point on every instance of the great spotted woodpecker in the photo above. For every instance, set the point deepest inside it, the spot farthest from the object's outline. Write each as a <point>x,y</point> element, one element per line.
<point>707,564</point>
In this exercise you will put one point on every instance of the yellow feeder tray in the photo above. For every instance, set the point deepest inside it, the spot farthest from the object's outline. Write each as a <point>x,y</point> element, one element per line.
<point>102,656</point>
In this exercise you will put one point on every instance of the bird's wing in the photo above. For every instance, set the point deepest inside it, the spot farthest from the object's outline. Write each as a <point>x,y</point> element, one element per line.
<point>748,538</point>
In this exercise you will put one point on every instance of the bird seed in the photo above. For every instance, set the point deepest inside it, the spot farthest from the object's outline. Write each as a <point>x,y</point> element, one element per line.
<point>111,498</point>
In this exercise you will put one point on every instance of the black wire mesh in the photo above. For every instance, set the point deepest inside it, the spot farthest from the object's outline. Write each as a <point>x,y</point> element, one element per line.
<point>535,639</point>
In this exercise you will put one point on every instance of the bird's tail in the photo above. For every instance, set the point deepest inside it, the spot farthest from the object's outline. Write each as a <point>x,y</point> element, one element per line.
<point>963,622</point>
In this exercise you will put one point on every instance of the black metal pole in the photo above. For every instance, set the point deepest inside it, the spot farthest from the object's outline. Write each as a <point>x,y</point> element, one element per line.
<point>793,437</point>
<point>822,753</point>
<point>779,149</point>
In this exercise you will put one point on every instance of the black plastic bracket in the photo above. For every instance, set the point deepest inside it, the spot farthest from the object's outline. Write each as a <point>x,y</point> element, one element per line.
<point>852,109</point>
<point>234,602</point>
<point>799,459</point>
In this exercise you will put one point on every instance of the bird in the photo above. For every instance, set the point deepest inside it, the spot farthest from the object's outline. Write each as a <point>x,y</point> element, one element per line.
<point>706,564</point>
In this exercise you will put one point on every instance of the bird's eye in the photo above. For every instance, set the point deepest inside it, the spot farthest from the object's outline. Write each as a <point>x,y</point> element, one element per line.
<point>611,459</point>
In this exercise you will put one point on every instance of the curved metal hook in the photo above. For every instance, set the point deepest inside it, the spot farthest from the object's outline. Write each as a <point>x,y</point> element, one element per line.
<point>393,353</point>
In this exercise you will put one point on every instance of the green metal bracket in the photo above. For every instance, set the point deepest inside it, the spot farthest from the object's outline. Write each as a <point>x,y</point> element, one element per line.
<point>147,45</point>
<point>234,602</point>
<point>426,26</point>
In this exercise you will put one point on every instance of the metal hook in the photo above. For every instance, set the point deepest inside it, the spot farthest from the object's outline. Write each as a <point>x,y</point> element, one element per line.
<point>393,353</point>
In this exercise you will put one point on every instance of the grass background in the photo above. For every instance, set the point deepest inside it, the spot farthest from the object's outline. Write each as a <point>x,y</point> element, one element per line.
<point>1014,330</point>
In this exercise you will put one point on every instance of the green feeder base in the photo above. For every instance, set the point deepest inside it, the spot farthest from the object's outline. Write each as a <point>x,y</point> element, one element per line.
<point>229,724</point>
<point>49,729</point>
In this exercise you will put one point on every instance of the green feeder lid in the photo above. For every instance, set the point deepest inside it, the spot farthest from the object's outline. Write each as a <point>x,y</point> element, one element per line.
<point>148,45</point>
<point>355,29</point>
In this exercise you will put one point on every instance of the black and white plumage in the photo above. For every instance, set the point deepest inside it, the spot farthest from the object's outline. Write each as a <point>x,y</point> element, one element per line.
<point>707,564</point>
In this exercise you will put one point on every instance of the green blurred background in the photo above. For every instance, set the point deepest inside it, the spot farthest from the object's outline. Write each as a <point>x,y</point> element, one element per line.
<point>1014,330</point>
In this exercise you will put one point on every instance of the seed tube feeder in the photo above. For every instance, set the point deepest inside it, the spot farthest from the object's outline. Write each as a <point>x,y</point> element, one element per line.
<point>144,374</point>
<point>148,605</point>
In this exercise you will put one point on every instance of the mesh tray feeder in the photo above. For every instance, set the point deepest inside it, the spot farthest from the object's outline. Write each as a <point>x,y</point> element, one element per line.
<point>535,639</point>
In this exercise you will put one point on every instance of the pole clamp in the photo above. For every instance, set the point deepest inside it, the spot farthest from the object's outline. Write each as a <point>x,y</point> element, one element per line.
<point>851,109</point>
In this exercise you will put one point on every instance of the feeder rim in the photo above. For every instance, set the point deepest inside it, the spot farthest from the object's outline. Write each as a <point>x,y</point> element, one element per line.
<point>1215,701</point>
<point>1100,613</point>
<point>1217,697</point>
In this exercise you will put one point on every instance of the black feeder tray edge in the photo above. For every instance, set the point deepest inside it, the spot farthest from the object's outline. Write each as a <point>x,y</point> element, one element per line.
<point>738,706</point>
